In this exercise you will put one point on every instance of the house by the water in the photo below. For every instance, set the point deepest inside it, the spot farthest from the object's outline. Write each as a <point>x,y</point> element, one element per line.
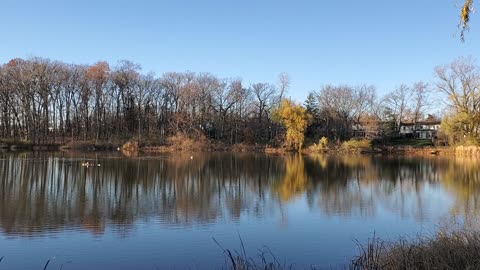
<point>425,129</point>
<point>420,130</point>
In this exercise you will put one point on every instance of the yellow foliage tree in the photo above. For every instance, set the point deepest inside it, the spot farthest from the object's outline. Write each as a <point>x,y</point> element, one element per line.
<point>460,127</point>
<point>295,119</point>
<point>465,11</point>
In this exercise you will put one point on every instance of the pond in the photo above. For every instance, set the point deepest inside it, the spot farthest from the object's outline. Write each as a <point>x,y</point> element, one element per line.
<point>164,211</point>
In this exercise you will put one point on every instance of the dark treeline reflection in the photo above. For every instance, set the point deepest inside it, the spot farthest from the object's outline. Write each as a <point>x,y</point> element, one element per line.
<point>43,193</point>
<point>360,184</point>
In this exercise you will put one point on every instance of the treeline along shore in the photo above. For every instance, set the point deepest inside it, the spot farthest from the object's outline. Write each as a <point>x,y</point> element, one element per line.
<point>47,104</point>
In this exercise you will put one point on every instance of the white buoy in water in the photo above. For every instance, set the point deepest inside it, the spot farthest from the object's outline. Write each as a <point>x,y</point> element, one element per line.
<point>191,157</point>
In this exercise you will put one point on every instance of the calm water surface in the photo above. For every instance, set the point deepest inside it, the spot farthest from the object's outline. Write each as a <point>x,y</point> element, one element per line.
<point>162,212</point>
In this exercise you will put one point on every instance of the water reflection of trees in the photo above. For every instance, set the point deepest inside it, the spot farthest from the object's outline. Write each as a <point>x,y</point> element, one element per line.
<point>461,178</point>
<point>360,185</point>
<point>399,184</point>
<point>41,193</point>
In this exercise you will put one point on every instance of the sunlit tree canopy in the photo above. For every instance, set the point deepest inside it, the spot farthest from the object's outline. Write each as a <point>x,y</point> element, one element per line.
<point>295,120</point>
<point>465,12</point>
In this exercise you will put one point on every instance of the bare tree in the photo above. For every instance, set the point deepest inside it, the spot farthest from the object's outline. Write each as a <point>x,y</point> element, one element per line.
<point>264,94</point>
<point>283,84</point>
<point>460,82</point>
<point>341,106</point>
<point>398,102</point>
<point>43,100</point>
<point>421,100</point>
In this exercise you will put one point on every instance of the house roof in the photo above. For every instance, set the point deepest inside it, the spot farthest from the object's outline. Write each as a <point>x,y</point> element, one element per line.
<point>420,123</point>
<point>429,122</point>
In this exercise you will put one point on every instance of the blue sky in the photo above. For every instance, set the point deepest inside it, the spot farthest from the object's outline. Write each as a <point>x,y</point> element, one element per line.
<point>384,43</point>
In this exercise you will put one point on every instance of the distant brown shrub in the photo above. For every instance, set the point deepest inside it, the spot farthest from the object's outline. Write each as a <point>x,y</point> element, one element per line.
<point>182,141</point>
<point>130,146</point>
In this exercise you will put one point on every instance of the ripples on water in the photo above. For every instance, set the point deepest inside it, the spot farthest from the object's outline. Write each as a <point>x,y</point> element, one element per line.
<point>164,210</point>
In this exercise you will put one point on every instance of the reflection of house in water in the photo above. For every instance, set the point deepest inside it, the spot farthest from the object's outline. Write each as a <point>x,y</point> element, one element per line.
<point>420,170</point>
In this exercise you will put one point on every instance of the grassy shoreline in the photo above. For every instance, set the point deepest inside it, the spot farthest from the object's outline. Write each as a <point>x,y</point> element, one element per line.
<point>446,250</point>
<point>188,145</point>
<point>92,147</point>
